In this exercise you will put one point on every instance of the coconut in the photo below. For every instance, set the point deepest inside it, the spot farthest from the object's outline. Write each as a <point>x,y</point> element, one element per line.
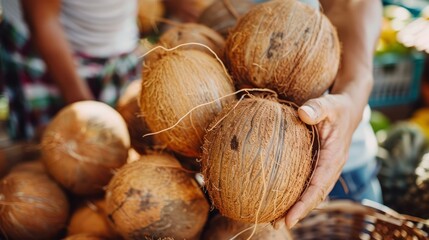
<point>83,144</point>
<point>129,109</point>
<point>186,10</point>
<point>84,236</point>
<point>177,87</point>
<point>90,218</point>
<point>257,160</point>
<point>223,15</point>
<point>32,206</point>
<point>156,198</point>
<point>220,228</point>
<point>149,12</point>
<point>190,33</point>
<point>287,46</point>
<point>35,166</point>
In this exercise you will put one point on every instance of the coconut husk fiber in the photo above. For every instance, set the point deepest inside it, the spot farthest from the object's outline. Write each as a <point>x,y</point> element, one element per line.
<point>155,198</point>
<point>258,158</point>
<point>286,46</point>
<point>180,96</point>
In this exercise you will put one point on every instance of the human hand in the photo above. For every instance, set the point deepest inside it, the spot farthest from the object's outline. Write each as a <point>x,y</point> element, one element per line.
<point>336,119</point>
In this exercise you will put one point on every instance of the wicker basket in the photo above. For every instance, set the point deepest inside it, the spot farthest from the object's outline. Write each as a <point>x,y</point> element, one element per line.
<point>343,219</point>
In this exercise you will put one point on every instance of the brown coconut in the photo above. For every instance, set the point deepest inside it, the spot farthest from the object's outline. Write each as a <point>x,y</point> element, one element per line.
<point>257,160</point>
<point>174,87</point>
<point>32,206</point>
<point>186,10</point>
<point>193,34</point>
<point>287,46</point>
<point>84,236</point>
<point>223,15</point>
<point>129,109</point>
<point>34,166</point>
<point>91,218</point>
<point>156,198</point>
<point>223,228</point>
<point>83,144</point>
<point>149,12</point>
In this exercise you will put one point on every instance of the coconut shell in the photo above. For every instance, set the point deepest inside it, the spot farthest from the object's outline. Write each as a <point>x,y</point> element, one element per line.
<point>223,15</point>
<point>84,236</point>
<point>287,46</point>
<point>129,109</point>
<point>156,198</point>
<point>32,206</point>
<point>190,33</point>
<point>186,10</point>
<point>148,14</point>
<point>83,144</point>
<point>257,160</point>
<point>90,218</point>
<point>173,87</point>
<point>34,166</point>
<point>223,228</point>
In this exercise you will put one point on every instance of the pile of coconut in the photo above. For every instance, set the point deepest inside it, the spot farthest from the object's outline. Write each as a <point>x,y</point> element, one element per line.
<point>206,145</point>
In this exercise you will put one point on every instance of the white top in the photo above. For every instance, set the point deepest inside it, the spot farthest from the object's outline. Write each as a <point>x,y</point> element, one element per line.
<point>98,28</point>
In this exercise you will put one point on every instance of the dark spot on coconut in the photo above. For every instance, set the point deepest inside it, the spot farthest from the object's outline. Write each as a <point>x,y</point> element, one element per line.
<point>132,191</point>
<point>234,143</point>
<point>179,35</point>
<point>173,212</point>
<point>146,203</point>
<point>276,41</point>
<point>110,217</point>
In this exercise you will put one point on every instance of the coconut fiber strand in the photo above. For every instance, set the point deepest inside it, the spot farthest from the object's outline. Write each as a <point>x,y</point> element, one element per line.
<point>257,160</point>
<point>175,87</point>
<point>286,46</point>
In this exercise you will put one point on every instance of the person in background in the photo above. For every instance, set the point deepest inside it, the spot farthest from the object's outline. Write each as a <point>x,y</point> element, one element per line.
<point>348,144</point>
<point>56,52</point>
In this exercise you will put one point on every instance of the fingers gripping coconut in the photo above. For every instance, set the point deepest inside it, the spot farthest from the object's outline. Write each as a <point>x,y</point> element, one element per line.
<point>337,114</point>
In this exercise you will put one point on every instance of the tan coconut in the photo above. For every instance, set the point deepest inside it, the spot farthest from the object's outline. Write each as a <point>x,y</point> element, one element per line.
<point>175,88</point>
<point>257,160</point>
<point>223,15</point>
<point>129,109</point>
<point>223,228</point>
<point>186,10</point>
<point>149,12</point>
<point>32,206</point>
<point>83,144</point>
<point>35,166</point>
<point>91,218</point>
<point>194,35</point>
<point>287,46</point>
<point>156,198</point>
<point>84,236</point>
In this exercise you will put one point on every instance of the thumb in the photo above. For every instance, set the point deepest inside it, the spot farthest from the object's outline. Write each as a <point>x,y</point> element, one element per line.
<point>314,110</point>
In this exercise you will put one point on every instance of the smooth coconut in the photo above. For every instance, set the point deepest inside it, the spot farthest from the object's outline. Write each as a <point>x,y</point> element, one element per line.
<point>91,218</point>
<point>83,144</point>
<point>180,96</point>
<point>32,206</point>
<point>149,13</point>
<point>222,16</point>
<point>258,159</point>
<point>220,227</point>
<point>156,198</point>
<point>287,46</point>
<point>130,110</point>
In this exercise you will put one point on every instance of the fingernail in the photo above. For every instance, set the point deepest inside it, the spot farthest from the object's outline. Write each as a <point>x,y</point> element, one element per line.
<point>310,111</point>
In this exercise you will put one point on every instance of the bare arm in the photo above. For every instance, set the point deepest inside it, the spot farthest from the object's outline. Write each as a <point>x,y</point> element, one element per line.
<point>338,113</point>
<point>50,40</point>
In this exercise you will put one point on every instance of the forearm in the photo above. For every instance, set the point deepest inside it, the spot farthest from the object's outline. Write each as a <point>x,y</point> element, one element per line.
<point>358,24</point>
<point>60,63</point>
<point>50,40</point>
